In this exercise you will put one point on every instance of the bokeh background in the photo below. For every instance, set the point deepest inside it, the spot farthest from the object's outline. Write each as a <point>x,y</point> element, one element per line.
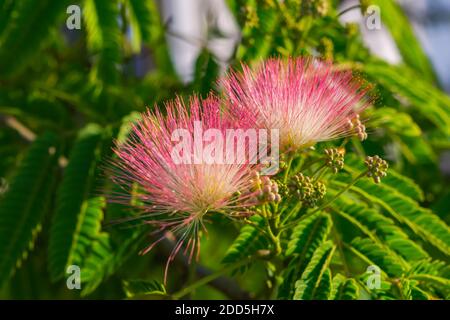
<point>57,84</point>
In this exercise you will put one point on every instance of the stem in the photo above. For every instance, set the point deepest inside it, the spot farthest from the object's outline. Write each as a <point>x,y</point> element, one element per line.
<point>326,204</point>
<point>344,142</point>
<point>251,223</point>
<point>264,211</point>
<point>297,207</point>
<point>299,165</point>
<point>183,292</point>
<point>275,239</point>
<point>319,170</point>
<point>286,173</point>
<point>348,9</point>
<point>358,147</point>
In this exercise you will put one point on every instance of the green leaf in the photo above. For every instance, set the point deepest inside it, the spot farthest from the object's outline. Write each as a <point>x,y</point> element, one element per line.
<point>440,283</point>
<point>23,207</point>
<point>396,21</point>
<point>416,150</point>
<point>379,256</point>
<point>78,213</point>
<point>249,241</point>
<point>127,123</point>
<point>309,234</point>
<point>306,237</point>
<point>419,294</point>
<point>315,282</point>
<point>430,102</point>
<point>96,263</point>
<point>379,228</point>
<point>421,221</point>
<point>344,289</point>
<point>141,22</point>
<point>395,121</point>
<point>106,257</point>
<point>142,287</point>
<point>438,139</point>
<point>206,71</point>
<point>103,37</point>
<point>431,267</point>
<point>403,185</point>
<point>27,30</point>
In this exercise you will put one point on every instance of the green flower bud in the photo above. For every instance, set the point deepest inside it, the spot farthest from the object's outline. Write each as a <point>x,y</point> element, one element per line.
<point>334,158</point>
<point>307,190</point>
<point>377,168</point>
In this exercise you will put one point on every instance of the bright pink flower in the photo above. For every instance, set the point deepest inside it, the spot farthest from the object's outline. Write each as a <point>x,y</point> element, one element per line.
<point>306,99</point>
<point>176,196</point>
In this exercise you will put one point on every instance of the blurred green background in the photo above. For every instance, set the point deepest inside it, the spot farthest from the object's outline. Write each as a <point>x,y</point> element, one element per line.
<point>69,93</point>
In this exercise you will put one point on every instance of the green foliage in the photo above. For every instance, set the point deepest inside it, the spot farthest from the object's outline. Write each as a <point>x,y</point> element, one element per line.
<point>315,282</point>
<point>83,86</point>
<point>306,237</point>
<point>421,221</point>
<point>98,262</point>
<point>379,229</point>
<point>379,256</point>
<point>344,289</point>
<point>78,214</point>
<point>422,96</point>
<point>395,121</point>
<point>103,38</point>
<point>142,287</point>
<point>25,31</point>
<point>249,241</point>
<point>402,32</point>
<point>106,256</point>
<point>141,21</point>
<point>24,206</point>
<point>402,184</point>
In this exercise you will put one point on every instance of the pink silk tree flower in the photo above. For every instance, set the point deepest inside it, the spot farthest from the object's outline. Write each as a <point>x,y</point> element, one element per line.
<point>305,98</point>
<point>178,187</point>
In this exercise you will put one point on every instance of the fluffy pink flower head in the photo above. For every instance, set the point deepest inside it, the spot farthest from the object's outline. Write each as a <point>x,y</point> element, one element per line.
<point>177,193</point>
<point>305,98</point>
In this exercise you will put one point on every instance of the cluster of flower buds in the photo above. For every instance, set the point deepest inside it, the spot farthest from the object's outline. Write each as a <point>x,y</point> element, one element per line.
<point>377,168</point>
<point>283,189</point>
<point>334,158</point>
<point>264,190</point>
<point>269,190</point>
<point>355,125</point>
<point>307,190</point>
